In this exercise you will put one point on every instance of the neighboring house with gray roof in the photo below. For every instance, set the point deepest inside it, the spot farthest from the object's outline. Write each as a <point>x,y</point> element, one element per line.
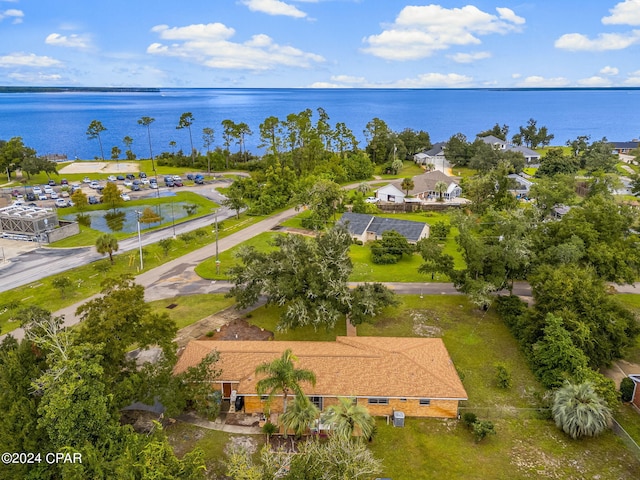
<point>435,154</point>
<point>624,147</point>
<point>367,228</point>
<point>531,156</point>
<point>522,185</point>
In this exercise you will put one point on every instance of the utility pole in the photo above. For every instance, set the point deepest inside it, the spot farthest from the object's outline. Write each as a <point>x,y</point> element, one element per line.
<point>138,213</point>
<point>217,256</point>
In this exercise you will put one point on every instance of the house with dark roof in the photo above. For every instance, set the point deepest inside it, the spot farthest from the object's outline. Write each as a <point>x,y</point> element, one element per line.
<point>368,228</point>
<point>624,147</point>
<point>415,376</point>
<point>531,156</point>
<point>431,156</point>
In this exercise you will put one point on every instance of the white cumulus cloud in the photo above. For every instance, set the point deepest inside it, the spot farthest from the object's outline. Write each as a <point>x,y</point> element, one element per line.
<point>420,31</point>
<point>538,81</point>
<point>469,57</point>
<point>624,13</point>
<point>609,70</point>
<point>603,42</point>
<point>27,60</point>
<point>434,80</point>
<point>274,7</point>
<point>16,15</point>
<point>69,41</point>
<point>348,79</point>
<point>595,81</point>
<point>210,45</point>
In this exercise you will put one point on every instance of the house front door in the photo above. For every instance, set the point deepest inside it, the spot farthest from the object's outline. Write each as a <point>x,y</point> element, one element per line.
<point>226,390</point>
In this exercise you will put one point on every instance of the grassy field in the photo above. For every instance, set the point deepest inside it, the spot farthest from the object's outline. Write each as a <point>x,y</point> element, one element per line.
<point>524,447</point>
<point>192,308</point>
<point>86,280</point>
<point>363,269</point>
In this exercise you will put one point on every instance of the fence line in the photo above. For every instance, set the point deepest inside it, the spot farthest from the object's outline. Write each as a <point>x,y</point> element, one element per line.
<point>626,438</point>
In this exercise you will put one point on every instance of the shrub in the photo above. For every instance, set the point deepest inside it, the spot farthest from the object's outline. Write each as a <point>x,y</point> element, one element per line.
<point>186,237</point>
<point>503,376</point>
<point>469,418</point>
<point>626,389</point>
<point>483,428</point>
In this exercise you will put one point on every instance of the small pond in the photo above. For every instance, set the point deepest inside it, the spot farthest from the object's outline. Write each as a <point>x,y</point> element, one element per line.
<point>168,212</point>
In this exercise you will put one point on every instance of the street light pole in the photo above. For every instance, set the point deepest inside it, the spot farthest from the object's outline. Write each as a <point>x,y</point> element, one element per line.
<point>217,255</point>
<point>138,213</point>
<point>173,220</point>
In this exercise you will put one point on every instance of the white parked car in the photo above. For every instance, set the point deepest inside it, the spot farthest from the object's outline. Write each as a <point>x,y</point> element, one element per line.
<point>128,183</point>
<point>125,197</point>
<point>111,178</point>
<point>61,203</point>
<point>37,190</point>
<point>153,185</point>
<point>86,180</point>
<point>176,178</point>
<point>42,196</point>
<point>54,196</point>
<point>94,185</point>
<point>48,190</point>
<point>144,181</point>
<point>372,200</point>
<point>64,194</point>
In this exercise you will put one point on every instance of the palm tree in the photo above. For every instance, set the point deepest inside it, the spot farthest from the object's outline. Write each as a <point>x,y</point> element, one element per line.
<point>579,411</point>
<point>146,122</point>
<point>93,131</point>
<point>347,416</point>
<point>186,120</point>
<point>282,376</point>
<point>107,243</point>
<point>407,184</point>
<point>440,187</point>
<point>300,416</point>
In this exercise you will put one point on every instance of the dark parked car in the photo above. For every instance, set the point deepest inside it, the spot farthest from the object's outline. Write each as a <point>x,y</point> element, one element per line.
<point>93,200</point>
<point>168,182</point>
<point>31,197</point>
<point>190,176</point>
<point>64,182</point>
<point>120,177</point>
<point>178,183</point>
<point>199,179</point>
<point>142,175</point>
<point>135,187</point>
<point>52,183</point>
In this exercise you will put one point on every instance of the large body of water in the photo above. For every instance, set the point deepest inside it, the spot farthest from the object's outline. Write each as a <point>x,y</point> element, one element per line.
<point>56,123</point>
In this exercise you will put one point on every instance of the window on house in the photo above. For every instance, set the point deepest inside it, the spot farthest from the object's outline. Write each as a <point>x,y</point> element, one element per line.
<point>317,401</point>
<point>264,398</point>
<point>403,399</point>
<point>378,401</point>
<point>425,402</point>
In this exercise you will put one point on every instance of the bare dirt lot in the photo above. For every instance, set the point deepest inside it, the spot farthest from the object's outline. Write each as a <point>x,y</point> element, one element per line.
<point>100,167</point>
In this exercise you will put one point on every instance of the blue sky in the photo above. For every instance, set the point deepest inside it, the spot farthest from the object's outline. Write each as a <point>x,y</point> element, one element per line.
<point>320,43</point>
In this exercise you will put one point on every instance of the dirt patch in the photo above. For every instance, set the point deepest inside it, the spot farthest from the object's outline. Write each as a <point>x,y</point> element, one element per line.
<point>242,419</point>
<point>422,324</point>
<point>239,329</point>
<point>242,443</point>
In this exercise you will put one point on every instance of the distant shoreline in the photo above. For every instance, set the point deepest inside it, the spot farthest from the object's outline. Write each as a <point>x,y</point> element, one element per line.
<point>74,89</point>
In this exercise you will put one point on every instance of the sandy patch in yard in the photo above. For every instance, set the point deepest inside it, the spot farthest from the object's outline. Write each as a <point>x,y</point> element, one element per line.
<point>100,167</point>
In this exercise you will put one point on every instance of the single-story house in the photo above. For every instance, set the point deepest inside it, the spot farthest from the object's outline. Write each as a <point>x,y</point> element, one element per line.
<point>390,193</point>
<point>424,186</point>
<point>531,156</point>
<point>433,156</point>
<point>635,398</point>
<point>522,185</point>
<point>624,147</point>
<point>385,374</point>
<point>367,228</point>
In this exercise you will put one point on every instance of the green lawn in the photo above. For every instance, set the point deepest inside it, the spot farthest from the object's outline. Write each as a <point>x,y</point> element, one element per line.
<point>524,447</point>
<point>192,308</point>
<point>86,280</point>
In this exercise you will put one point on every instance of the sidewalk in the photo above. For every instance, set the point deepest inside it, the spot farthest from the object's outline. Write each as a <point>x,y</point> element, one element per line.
<point>219,424</point>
